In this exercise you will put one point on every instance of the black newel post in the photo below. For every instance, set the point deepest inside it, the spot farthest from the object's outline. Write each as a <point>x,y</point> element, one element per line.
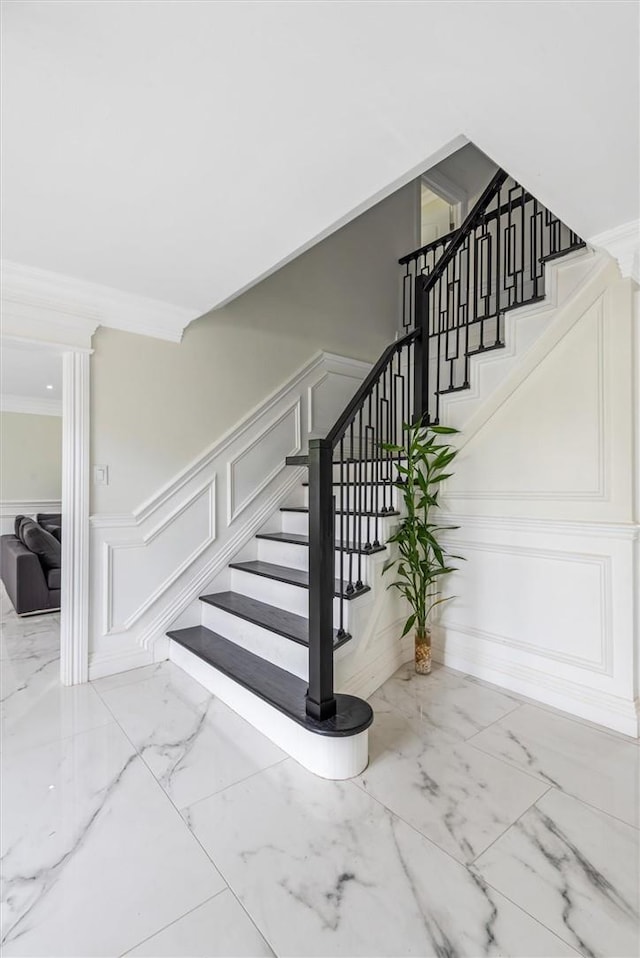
<point>321,703</point>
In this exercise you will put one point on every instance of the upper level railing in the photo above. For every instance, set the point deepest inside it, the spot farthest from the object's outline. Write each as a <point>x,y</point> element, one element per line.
<point>456,292</point>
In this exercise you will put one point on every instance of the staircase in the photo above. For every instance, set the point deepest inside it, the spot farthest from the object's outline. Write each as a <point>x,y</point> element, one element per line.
<point>267,643</point>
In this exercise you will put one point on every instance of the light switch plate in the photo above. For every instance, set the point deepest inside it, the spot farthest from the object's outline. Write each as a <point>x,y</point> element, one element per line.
<point>101,475</point>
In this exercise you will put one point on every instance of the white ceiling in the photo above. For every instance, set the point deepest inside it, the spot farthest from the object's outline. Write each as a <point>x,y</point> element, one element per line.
<point>182,150</point>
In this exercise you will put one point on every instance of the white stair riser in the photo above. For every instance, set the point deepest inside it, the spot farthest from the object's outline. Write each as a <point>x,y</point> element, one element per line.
<point>268,645</point>
<point>297,557</point>
<point>292,598</point>
<point>367,527</point>
<point>371,498</point>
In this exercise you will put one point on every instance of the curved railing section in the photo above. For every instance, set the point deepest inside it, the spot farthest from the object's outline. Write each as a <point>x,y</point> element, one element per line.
<point>455,294</point>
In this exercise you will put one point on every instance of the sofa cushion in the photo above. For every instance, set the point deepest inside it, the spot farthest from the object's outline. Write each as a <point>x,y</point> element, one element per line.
<point>45,546</point>
<point>17,522</point>
<point>53,578</point>
<point>51,525</point>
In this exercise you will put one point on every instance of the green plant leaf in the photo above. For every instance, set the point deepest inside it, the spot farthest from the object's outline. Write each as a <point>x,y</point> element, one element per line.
<point>444,430</point>
<point>408,625</point>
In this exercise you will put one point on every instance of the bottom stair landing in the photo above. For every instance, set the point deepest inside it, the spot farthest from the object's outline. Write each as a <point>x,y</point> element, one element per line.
<point>273,700</point>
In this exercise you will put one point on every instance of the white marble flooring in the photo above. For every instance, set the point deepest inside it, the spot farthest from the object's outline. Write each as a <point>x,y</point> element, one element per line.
<point>140,816</point>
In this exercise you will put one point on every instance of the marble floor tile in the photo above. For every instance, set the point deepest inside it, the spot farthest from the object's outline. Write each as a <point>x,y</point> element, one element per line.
<point>459,798</point>
<point>192,742</point>
<point>218,929</point>
<point>323,869</point>
<point>583,761</point>
<point>36,709</point>
<point>20,638</point>
<point>576,870</point>
<point>443,704</point>
<point>28,644</point>
<point>116,681</point>
<point>95,857</point>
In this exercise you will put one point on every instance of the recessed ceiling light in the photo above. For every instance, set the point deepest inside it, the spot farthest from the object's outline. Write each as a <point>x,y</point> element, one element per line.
<point>49,387</point>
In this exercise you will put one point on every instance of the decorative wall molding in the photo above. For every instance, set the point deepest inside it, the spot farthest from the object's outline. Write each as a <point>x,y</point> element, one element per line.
<point>141,540</point>
<point>34,300</point>
<point>601,563</point>
<point>74,603</point>
<point>623,243</point>
<point>30,405</point>
<point>258,481</point>
<point>600,491</point>
<point>525,524</point>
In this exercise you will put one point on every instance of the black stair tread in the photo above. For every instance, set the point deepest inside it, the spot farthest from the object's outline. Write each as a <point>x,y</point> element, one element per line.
<point>452,389</point>
<point>347,461</point>
<point>526,302</point>
<point>287,624</point>
<point>484,349</point>
<point>563,252</point>
<point>365,482</point>
<point>298,577</point>
<point>343,512</point>
<point>277,687</point>
<point>295,538</point>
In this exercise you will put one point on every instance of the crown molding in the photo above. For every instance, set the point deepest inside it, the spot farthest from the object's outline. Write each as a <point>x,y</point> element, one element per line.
<point>70,310</point>
<point>623,243</point>
<point>31,405</point>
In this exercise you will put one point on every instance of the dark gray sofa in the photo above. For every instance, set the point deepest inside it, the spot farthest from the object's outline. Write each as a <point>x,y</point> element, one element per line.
<point>31,576</point>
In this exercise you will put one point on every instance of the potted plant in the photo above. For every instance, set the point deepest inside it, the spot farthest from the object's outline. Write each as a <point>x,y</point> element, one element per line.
<point>421,561</point>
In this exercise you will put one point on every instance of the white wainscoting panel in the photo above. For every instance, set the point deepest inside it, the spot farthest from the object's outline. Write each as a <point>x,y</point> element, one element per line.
<point>148,568</point>
<point>546,609</point>
<point>255,466</point>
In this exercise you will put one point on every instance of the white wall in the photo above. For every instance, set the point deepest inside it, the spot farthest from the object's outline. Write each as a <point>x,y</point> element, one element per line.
<point>157,405</point>
<point>544,497</point>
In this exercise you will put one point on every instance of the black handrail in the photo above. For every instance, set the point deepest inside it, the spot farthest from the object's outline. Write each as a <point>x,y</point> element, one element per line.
<point>355,405</point>
<point>490,215</point>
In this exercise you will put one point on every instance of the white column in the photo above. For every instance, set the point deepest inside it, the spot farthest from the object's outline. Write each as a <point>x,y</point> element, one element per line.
<point>74,613</point>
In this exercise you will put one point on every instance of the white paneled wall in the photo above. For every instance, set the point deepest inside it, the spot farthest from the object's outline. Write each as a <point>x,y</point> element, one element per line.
<point>543,495</point>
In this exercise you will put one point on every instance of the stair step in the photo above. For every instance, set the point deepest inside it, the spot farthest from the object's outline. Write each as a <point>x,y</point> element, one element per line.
<point>297,460</point>
<point>452,389</point>
<point>526,302</point>
<point>277,687</point>
<point>341,512</point>
<point>484,349</point>
<point>294,627</point>
<point>549,258</point>
<point>294,538</point>
<point>365,482</point>
<point>297,577</point>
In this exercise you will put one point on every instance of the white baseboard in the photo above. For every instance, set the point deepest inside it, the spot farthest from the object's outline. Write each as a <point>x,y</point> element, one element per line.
<point>594,705</point>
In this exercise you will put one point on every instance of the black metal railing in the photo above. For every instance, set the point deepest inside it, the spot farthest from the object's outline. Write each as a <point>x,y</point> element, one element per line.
<point>456,291</point>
